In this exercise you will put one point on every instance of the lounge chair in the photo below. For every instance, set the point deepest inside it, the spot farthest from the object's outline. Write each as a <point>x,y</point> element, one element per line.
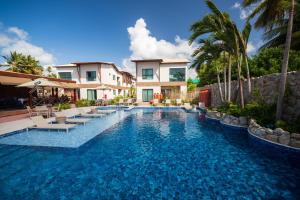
<point>121,102</point>
<point>187,106</point>
<point>129,102</point>
<point>41,123</point>
<point>178,102</point>
<point>86,112</point>
<point>168,102</point>
<point>105,111</point>
<point>70,115</point>
<point>31,111</point>
<point>155,102</point>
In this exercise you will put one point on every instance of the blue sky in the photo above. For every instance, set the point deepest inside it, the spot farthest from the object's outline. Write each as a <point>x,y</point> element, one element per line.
<point>63,31</point>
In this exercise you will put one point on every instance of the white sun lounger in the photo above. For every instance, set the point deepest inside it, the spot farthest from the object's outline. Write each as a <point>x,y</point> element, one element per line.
<point>178,102</point>
<point>168,102</point>
<point>41,123</point>
<point>187,106</point>
<point>71,114</point>
<point>105,111</point>
<point>85,112</point>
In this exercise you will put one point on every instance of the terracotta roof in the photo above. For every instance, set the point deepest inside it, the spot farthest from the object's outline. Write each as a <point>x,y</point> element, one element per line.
<point>6,80</point>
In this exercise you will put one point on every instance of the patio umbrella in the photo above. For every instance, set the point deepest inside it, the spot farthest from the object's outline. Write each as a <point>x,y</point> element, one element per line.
<point>103,87</point>
<point>40,82</point>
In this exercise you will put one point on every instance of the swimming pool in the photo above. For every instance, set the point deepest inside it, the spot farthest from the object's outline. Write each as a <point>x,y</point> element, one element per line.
<point>152,153</point>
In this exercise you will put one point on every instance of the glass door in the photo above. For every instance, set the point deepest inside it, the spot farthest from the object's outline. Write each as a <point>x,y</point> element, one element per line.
<point>91,94</point>
<point>147,95</point>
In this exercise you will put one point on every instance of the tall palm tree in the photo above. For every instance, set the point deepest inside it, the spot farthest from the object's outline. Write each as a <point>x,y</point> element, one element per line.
<point>224,31</point>
<point>23,63</point>
<point>276,37</point>
<point>269,14</point>
<point>207,53</point>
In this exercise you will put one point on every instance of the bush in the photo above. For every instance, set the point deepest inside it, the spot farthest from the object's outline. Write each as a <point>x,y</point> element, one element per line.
<point>231,109</point>
<point>62,106</point>
<point>264,114</point>
<point>85,102</point>
<point>114,100</point>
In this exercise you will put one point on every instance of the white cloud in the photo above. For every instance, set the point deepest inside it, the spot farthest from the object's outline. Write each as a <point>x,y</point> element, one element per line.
<point>16,39</point>
<point>145,46</point>
<point>236,5</point>
<point>19,32</point>
<point>250,47</point>
<point>244,12</point>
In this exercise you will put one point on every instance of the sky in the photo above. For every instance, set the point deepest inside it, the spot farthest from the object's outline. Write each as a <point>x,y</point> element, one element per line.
<point>64,31</point>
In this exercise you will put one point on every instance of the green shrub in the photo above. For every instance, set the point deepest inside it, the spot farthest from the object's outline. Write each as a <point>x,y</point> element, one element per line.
<point>263,113</point>
<point>85,102</point>
<point>62,106</point>
<point>231,109</point>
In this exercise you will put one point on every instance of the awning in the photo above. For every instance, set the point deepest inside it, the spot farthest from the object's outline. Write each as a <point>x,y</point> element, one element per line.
<point>6,80</point>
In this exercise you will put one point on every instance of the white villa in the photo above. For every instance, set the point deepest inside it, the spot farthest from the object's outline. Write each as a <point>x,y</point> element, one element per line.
<point>164,77</point>
<point>90,75</point>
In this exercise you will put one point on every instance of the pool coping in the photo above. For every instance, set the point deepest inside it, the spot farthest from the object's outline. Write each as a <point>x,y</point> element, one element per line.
<point>273,143</point>
<point>284,147</point>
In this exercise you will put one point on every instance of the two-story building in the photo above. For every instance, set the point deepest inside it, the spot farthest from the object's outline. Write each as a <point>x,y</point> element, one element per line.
<point>164,77</point>
<point>91,76</point>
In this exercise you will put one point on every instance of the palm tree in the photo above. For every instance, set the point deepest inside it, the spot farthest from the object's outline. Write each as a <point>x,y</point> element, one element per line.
<point>276,37</point>
<point>269,14</point>
<point>226,34</point>
<point>207,54</point>
<point>23,63</point>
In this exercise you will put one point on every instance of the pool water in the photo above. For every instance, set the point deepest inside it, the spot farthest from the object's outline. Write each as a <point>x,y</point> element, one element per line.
<point>151,154</point>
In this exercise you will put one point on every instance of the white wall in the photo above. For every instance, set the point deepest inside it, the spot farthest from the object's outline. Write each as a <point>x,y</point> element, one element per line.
<point>89,67</point>
<point>165,69</point>
<point>139,91</point>
<point>147,65</point>
<point>73,70</point>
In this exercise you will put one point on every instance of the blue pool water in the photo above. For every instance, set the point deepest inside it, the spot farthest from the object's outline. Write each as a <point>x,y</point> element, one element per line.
<point>151,154</point>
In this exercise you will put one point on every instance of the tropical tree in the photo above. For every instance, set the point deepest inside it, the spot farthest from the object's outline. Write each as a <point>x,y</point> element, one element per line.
<point>276,36</point>
<point>270,14</point>
<point>227,38</point>
<point>50,73</point>
<point>23,63</point>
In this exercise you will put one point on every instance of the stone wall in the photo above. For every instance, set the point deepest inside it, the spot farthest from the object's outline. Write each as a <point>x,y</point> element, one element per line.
<point>267,86</point>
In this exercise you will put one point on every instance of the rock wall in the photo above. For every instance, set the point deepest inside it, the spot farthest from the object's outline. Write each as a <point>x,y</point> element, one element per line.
<point>267,86</point>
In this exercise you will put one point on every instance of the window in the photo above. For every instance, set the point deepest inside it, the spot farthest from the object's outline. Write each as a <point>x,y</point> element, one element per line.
<point>65,75</point>
<point>177,74</point>
<point>114,92</point>
<point>91,94</point>
<point>147,95</point>
<point>91,76</point>
<point>147,74</point>
<point>114,77</point>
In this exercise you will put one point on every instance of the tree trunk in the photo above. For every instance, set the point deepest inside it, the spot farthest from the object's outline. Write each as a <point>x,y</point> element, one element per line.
<point>220,88</point>
<point>248,74</point>
<point>225,80</point>
<point>240,83</point>
<point>229,78</point>
<point>285,62</point>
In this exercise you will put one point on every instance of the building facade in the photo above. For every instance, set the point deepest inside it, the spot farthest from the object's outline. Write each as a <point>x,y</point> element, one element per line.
<point>162,78</point>
<point>92,76</point>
